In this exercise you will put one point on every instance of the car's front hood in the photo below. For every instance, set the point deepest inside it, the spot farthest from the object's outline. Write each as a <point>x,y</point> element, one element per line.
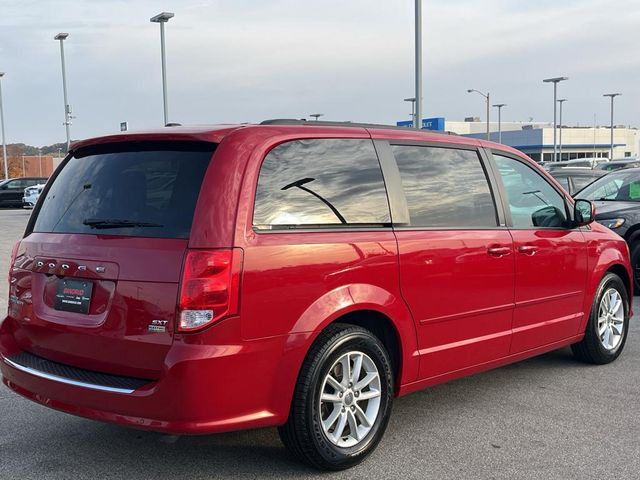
<point>612,209</point>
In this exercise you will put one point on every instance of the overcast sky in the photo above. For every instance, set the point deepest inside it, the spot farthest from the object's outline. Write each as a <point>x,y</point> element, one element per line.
<point>248,60</point>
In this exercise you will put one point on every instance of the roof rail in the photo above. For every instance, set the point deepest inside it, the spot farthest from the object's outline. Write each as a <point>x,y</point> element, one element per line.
<point>323,123</point>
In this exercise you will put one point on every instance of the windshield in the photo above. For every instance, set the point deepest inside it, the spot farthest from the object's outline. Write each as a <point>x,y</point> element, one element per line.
<point>149,190</point>
<point>611,166</point>
<point>618,186</point>
<point>579,182</point>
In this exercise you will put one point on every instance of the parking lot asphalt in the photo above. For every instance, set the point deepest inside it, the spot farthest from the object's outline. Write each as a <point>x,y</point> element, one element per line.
<point>549,417</point>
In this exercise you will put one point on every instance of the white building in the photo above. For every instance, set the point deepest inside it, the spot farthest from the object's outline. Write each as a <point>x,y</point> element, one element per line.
<point>536,139</point>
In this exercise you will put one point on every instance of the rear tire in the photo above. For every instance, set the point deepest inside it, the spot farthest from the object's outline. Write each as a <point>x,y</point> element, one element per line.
<point>608,325</point>
<point>335,423</point>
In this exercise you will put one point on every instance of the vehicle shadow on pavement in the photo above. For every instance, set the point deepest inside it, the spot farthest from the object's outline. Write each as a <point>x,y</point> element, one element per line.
<point>465,414</point>
<point>78,448</point>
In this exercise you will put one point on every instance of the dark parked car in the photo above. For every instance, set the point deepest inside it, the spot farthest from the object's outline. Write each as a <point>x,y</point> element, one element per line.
<point>617,200</point>
<point>619,164</point>
<point>575,179</point>
<point>298,275</point>
<point>11,190</point>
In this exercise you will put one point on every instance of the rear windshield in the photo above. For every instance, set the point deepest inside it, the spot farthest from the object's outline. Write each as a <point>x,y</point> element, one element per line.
<point>148,190</point>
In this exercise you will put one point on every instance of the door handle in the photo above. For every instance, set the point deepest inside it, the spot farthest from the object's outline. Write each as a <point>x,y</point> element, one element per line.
<point>499,251</point>
<point>527,249</point>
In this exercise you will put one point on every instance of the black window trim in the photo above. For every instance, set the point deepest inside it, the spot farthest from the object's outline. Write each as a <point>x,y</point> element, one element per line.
<point>497,203</point>
<point>490,152</point>
<point>326,229</point>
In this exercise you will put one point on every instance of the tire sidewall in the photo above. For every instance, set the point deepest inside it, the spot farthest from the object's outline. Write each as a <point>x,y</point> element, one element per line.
<point>368,344</point>
<point>608,282</point>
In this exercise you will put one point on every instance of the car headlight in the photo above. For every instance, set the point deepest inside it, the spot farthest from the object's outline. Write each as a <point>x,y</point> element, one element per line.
<point>612,223</point>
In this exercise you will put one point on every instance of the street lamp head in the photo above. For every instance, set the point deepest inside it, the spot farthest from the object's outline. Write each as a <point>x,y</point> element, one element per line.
<point>317,115</point>
<point>500,105</point>
<point>560,100</point>
<point>61,36</point>
<point>485,95</point>
<point>555,79</point>
<point>412,99</point>
<point>611,95</point>
<point>161,17</point>
<point>1,74</point>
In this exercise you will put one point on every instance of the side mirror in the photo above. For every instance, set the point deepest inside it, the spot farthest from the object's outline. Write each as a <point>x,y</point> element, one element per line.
<point>548,216</point>
<point>584,212</point>
<point>4,187</point>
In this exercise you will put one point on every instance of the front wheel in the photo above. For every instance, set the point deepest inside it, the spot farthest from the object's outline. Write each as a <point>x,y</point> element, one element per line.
<point>608,324</point>
<point>342,401</point>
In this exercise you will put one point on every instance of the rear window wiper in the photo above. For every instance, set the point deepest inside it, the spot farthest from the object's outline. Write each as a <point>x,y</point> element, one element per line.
<point>100,223</point>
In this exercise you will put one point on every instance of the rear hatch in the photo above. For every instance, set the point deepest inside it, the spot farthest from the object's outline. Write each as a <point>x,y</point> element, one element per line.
<point>96,281</point>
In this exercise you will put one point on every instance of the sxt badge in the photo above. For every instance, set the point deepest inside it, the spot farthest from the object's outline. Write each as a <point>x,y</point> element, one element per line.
<point>159,326</point>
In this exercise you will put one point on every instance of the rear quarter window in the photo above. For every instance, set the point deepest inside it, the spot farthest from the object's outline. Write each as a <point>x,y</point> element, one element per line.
<point>147,190</point>
<point>321,183</point>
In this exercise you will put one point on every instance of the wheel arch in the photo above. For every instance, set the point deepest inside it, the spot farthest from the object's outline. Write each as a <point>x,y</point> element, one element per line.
<point>633,234</point>
<point>615,264</point>
<point>383,328</point>
<point>621,272</point>
<point>384,314</point>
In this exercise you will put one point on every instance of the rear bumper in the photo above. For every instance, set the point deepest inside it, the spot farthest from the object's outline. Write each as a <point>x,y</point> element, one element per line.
<point>204,388</point>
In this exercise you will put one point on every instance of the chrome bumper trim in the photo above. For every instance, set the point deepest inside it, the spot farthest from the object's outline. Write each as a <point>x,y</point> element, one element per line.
<point>68,381</point>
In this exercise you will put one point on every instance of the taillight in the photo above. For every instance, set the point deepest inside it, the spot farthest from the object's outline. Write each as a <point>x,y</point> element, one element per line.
<point>210,288</point>
<point>14,254</point>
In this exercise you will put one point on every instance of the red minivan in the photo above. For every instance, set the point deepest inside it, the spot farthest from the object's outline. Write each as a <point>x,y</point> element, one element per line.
<point>298,275</point>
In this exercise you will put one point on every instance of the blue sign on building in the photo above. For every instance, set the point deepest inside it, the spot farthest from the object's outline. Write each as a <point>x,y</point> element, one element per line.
<point>435,123</point>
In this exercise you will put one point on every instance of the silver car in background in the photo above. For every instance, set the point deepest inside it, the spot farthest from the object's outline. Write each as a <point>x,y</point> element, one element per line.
<point>31,195</point>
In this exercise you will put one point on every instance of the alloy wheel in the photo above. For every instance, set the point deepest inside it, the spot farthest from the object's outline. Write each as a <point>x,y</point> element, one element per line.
<point>611,319</point>
<point>350,399</point>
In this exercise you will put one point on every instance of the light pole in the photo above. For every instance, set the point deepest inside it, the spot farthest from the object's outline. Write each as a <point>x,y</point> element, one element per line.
<point>612,96</point>
<point>560,101</point>
<point>413,109</point>
<point>163,18</point>
<point>317,115</point>
<point>40,160</point>
<point>5,160</point>
<point>486,97</point>
<point>67,108</point>
<point>499,107</point>
<point>417,120</point>
<point>555,82</point>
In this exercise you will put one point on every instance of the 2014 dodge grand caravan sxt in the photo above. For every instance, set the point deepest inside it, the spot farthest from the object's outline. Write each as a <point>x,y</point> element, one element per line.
<point>298,275</point>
